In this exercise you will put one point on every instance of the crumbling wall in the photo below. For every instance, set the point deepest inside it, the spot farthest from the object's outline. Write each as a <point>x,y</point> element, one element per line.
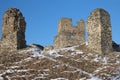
<point>69,35</point>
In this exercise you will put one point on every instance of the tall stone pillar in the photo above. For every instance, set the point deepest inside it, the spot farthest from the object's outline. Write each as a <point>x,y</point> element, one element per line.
<point>99,31</point>
<point>13,30</point>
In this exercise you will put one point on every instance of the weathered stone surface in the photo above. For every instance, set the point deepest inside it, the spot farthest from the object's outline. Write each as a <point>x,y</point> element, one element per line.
<point>13,30</point>
<point>69,35</point>
<point>99,31</point>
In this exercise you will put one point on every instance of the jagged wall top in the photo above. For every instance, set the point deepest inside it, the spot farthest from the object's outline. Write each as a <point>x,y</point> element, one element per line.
<point>69,35</point>
<point>65,25</point>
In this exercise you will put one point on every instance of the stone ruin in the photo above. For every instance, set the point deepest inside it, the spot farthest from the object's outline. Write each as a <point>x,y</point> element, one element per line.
<point>98,27</point>
<point>13,30</point>
<point>99,32</point>
<point>69,35</point>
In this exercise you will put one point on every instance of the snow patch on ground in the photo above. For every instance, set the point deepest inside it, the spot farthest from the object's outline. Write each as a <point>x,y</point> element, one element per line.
<point>26,60</point>
<point>36,52</point>
<point>69,48</point>
<point>96,60</point>
<point>12,71</point>
<point>1,78</point>
<point>95,78</point>
<point>54,53</point>
<point>41,76</point>
<point>13,67</point>
<point>76,53</point>
<point>30,50</point>
<point>92,78</point>
<point>59,79</point>
<point>105,59</point>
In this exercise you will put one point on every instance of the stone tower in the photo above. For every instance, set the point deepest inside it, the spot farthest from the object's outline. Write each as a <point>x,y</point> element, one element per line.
<point>99,31</point>
<point>13,30</point>
<point>69,35</point>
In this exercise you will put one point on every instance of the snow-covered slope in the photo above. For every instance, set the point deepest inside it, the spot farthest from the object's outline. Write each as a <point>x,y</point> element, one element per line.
<point>61,64</point>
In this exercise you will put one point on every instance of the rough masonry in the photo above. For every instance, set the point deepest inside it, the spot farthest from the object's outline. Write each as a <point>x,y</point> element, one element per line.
<point>69,35</point>
<point>98,27</point>
<point>99,31</point>
<point>13,30</point>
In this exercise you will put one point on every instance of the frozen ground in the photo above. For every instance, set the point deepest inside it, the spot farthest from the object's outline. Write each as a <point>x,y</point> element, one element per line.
<point>60,64</point>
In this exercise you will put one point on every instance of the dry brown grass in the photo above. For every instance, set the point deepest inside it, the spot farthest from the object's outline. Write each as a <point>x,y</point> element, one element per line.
<point>65,66</point>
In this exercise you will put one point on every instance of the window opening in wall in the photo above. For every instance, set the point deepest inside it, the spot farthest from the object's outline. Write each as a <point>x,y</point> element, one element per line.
<point>72,36</point>
<point>66,24</point>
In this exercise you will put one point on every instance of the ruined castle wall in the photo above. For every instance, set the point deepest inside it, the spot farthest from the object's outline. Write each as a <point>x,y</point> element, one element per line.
<point>69,35</point>
<point>13,30</point>
<point>64,24</point>
<point>99,31</point>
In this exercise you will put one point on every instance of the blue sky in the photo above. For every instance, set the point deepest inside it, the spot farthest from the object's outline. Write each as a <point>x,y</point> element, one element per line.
<point>42,16</point>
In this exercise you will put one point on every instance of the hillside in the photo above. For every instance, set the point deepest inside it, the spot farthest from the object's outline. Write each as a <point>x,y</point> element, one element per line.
<point>72,63</point>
